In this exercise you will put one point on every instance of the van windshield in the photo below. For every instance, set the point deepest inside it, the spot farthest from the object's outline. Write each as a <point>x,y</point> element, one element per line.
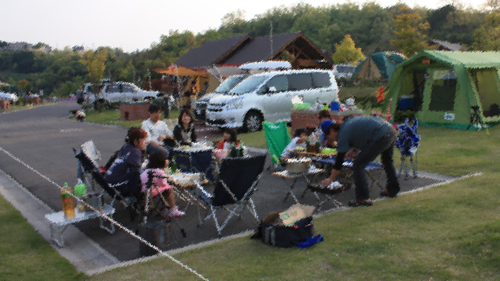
<point>248,85</point>
<point>228,84</point>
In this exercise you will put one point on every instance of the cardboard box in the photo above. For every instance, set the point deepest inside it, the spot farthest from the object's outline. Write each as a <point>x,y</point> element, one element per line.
<point>291,215</point>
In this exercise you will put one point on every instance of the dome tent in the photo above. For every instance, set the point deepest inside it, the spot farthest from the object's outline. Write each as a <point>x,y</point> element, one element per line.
<point>448,88</point>
<point>378,66</point>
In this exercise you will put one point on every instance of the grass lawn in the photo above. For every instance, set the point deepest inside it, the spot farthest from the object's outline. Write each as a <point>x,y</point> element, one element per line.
<point>448,232</point>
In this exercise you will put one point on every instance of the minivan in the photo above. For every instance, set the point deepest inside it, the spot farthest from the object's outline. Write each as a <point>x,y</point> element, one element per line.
<point>226,85</point>
<point>268,97</point>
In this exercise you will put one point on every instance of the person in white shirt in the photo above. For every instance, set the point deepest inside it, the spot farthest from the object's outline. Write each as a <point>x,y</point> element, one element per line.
<point>300,138</point>
<point>157,131</point>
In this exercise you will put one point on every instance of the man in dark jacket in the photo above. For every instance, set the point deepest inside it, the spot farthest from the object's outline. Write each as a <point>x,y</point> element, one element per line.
<point>372,136</point>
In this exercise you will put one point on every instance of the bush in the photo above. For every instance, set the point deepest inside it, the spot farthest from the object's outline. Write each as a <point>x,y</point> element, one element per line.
<point>401,115</point>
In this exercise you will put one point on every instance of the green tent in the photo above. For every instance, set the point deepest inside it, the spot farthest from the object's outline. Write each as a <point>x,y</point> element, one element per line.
<point>447,88</point>
<point>378,66</point>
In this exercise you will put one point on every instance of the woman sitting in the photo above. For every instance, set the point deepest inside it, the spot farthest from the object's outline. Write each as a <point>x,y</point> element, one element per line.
<point>299,140</point>
<point>156,168</point>
<point>229,139</point>
<point>124,173</point>
<point>184,132</point>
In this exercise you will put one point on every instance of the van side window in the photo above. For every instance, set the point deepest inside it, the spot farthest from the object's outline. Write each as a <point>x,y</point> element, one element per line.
<point>280,82</point>
<point>299,82</point>
<point>320,80</point>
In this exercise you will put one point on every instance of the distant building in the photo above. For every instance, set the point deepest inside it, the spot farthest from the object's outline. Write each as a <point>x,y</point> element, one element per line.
<point>446,46</point>
<point>293,47</point>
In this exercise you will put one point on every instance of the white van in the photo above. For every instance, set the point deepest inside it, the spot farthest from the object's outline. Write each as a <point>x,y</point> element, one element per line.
<point>268,97</point>
<point>201,103</point>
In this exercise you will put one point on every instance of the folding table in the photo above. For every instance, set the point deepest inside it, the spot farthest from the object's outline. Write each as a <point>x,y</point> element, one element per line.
<point>59,222</point>
<point>287,175</point>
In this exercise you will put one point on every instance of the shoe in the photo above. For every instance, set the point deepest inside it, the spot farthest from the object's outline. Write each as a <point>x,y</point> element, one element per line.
<point>173,213</point>
<point>386,193</point>
<point>357,203</point>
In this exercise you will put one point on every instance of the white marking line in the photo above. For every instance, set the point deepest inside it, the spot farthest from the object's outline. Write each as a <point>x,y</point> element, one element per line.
<point>130,232</point>
<point>70,130</point>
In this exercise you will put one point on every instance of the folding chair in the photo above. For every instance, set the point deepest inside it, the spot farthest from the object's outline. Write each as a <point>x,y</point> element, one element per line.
<point>92,175</point>
<point>200,161</point>
<point>154,206</point>
<point>407,143</point>
<point>237,181</point>
<point>277,139</point>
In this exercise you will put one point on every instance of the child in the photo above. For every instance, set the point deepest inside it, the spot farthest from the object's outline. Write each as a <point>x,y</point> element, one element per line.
<point>79,115</point>
<point>299,139</point>
<point>157,164</point>
<point>229,139</point>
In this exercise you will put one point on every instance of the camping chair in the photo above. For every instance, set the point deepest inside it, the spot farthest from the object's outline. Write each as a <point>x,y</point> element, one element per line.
<point>200,161</point>
<point>236,183</point>
<point>277,139</point>
<point>407,143</point>
<point>154,206</point>
<point>92,175</point>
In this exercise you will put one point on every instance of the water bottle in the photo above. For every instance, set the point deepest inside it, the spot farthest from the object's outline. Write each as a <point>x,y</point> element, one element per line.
<point>68,203</point>
<point>80,191</point>
<point>173,167</point>
<point>233,152</point>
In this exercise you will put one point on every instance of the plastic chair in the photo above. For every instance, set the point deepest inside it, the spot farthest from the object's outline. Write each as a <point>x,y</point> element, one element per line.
<point>236,183</point>
<point>407,143</point>
<point>277,139</point>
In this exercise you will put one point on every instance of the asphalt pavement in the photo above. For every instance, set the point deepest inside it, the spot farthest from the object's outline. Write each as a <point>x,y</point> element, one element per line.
<point>42,140</point>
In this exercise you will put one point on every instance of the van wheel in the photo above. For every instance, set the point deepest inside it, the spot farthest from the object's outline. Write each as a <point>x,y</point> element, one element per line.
<point>253,121</point>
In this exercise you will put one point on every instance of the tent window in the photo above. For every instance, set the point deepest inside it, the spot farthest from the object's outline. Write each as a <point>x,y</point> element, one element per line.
<point>443,91</point>
<point>486,82</point>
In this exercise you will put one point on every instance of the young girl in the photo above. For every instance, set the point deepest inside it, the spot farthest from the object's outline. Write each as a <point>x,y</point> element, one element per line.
<point>157,164</point>
<point>184,132</point>
<point>229,139</point>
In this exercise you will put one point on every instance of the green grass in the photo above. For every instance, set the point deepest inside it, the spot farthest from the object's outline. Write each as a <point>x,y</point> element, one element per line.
<point>112,117</point>
<point>25,255</point>
<point>30,105</point>
<point>448,232</point>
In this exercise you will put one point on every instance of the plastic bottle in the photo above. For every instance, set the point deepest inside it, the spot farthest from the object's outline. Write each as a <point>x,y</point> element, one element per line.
<point>317,147</point>
<point>240,154</point>
<point>233,152</point>
<point>68,203</point>
<point>80,191</point>
<point>173,166</point>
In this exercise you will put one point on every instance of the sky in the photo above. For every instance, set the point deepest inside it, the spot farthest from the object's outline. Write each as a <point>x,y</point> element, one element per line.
<point>135,25</point>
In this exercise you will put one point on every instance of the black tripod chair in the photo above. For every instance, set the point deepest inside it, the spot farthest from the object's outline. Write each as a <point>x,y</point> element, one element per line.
<point>235,186</point>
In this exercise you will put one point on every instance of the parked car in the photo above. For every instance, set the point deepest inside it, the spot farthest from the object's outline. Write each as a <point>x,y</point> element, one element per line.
<point>268,97</point>
<point>226,85</point>
<point>118,91</point>
<point>8,96</point>
<point>343,71</point>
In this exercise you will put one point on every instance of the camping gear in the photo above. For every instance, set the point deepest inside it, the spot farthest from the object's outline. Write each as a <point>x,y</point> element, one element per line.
<point>287,228</point>
<point>277,138</point>
<point>235,186</point>
<point>378,66</point>
<point>298,166</point>
<point>447,87</point>
<point>407,143</point>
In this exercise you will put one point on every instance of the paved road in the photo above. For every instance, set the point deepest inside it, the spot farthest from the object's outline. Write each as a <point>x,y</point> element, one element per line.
<point>43,138</point>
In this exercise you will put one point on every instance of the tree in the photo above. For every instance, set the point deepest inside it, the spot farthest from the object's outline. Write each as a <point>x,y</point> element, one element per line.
<point>347,52</point>
<point>488,35</point>
<point>409,32</point>
<point>95,63</point>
